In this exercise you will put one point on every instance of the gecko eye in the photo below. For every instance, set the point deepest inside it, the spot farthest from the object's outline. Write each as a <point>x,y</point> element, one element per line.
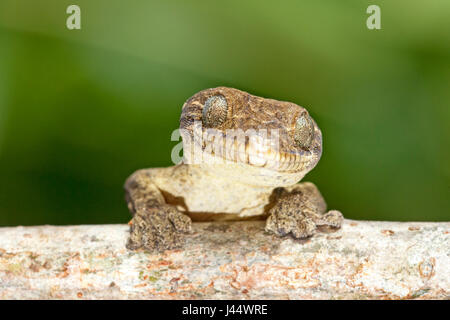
<point>215,111</point>
<point>304,131</point>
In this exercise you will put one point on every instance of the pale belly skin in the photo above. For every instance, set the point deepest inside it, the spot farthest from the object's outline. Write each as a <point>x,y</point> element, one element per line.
<point>165,201</point>
<point>205,195</point>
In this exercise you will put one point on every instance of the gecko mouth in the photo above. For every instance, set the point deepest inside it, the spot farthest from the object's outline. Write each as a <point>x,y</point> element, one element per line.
<point>257,148</point>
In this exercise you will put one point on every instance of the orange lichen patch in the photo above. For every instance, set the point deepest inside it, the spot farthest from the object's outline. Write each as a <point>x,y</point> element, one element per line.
<point>64,273</point>
<point>141,285</point>
<point>387,232</point>
<point>353,224</point>
<point>65,268</point>
<point>164,263</point>
<point>130,222</point>
<point>446,232</point>
<point>299,276</point>
<point>413,228</point>
<point>79,295</point>
<point>161,264</point>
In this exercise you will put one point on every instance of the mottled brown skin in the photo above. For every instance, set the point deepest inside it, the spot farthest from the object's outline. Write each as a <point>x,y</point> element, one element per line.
<point>163,201</point>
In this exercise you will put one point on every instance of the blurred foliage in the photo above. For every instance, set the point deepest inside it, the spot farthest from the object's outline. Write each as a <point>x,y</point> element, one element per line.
<point>80,110</point>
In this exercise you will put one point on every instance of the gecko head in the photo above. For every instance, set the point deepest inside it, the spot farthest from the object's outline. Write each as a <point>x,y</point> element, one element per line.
<point>275,136</point>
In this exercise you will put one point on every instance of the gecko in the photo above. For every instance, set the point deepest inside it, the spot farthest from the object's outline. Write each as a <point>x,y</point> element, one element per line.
<point>256,177</point>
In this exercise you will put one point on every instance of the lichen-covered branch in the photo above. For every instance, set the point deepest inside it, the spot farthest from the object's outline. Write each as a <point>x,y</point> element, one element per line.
<point>233,260</point>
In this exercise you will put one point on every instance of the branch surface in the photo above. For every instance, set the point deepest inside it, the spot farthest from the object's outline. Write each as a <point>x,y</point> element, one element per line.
<point>229,260</point>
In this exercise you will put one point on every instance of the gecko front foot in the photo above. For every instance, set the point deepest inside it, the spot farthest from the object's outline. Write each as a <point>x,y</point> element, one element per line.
<point>299,210</point>
<point>158,228</point>
<point>285,219</point>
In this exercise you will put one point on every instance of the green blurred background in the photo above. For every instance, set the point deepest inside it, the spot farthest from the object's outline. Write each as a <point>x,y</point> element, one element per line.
<point>80,110</point>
